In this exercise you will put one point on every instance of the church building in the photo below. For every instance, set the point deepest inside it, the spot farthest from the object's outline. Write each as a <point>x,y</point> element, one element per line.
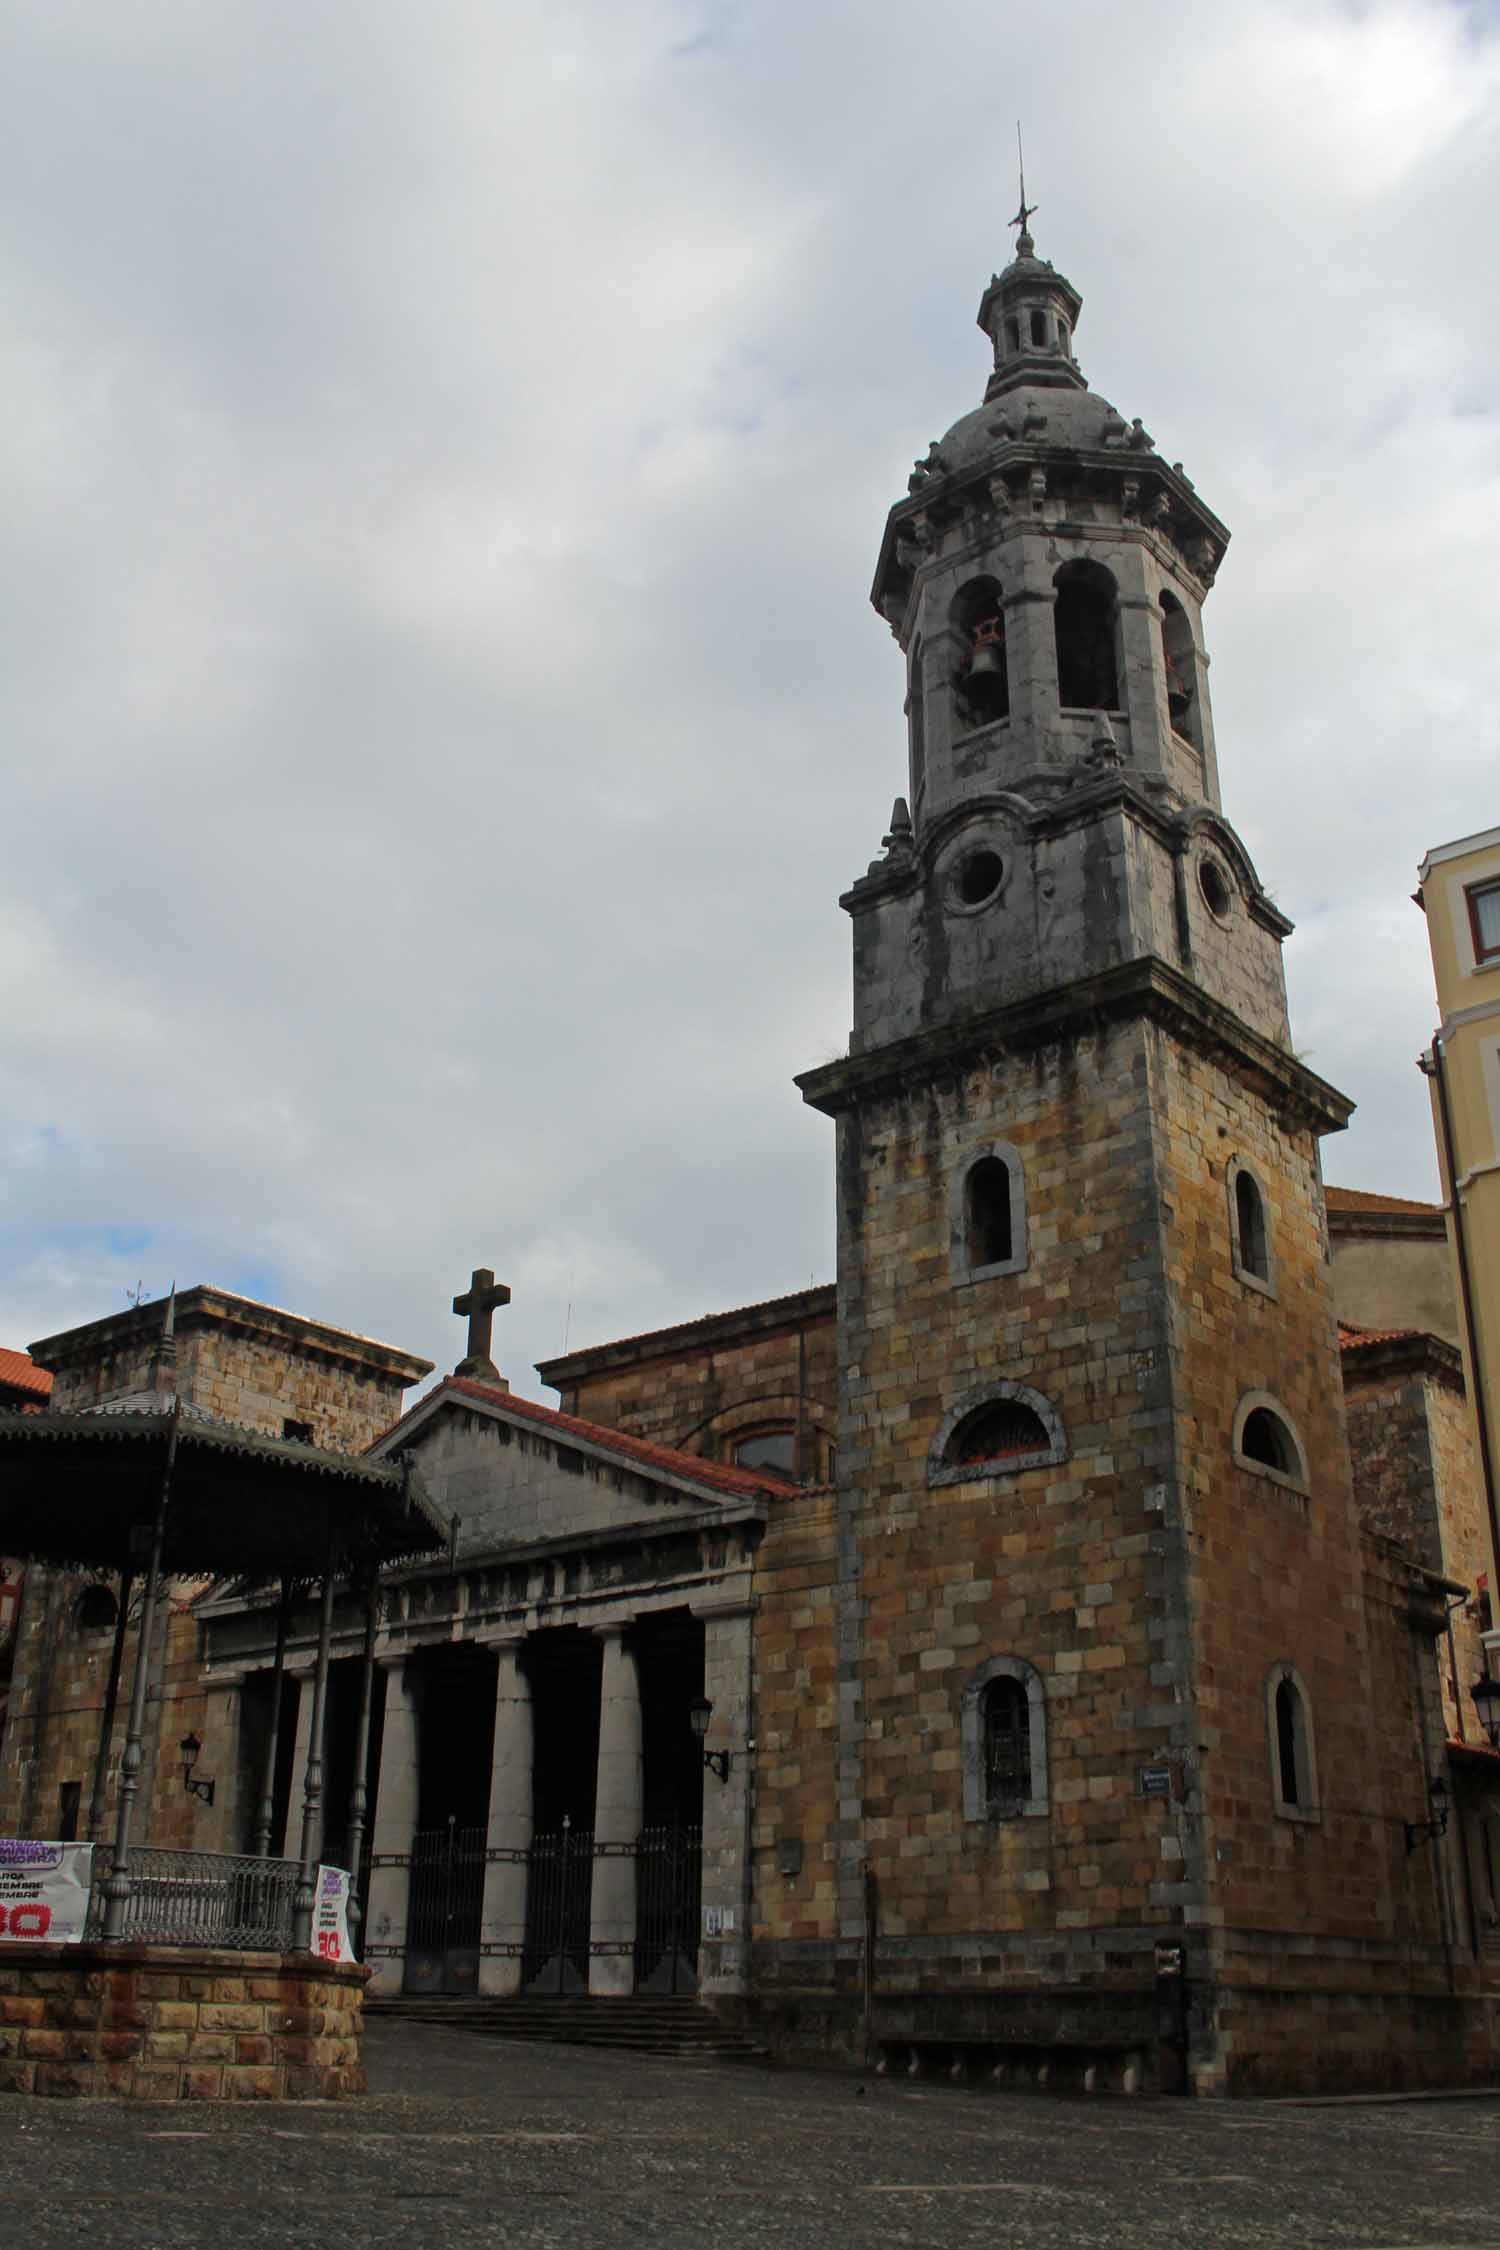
<point>1045,1653</point>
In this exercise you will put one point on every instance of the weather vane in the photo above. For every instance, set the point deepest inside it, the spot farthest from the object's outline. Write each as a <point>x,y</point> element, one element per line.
<point>1023,239</point>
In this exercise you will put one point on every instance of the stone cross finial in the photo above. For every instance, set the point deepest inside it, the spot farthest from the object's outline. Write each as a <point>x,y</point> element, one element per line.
<point>479,1302</point>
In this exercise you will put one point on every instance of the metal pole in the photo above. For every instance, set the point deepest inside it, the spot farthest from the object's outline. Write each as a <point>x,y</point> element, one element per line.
<point>118,1887</point>
<point>265,1811</point>
<point>359,1794</point>
<point>312,1796</point>
<point>111,1699</point>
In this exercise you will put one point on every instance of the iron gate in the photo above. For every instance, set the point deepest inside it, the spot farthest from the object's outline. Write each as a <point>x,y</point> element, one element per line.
<point>668,1891</point>
<point>559,1891</point>
<point>445,1904</point>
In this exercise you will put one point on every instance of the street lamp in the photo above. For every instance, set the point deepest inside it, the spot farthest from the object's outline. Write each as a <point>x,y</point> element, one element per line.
<point>1428,1831</point>
<point>1486,1698</point>
<point>700,1711</point>
<point>188,1749</point>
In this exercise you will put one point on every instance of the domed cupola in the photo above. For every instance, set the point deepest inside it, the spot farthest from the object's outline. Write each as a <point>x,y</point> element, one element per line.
<point>1029,313</point>
<point>1045,575</point>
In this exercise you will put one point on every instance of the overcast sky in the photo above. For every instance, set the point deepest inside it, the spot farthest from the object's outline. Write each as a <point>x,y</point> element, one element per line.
<point>445,448</point>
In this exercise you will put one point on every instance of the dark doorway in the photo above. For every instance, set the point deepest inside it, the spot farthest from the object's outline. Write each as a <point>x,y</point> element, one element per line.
<point>668,1891</point>
<point>565,1669</point>
<point>455,1689</point>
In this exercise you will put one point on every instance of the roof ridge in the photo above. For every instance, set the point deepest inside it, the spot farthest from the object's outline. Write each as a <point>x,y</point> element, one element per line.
<point>691,1466</point>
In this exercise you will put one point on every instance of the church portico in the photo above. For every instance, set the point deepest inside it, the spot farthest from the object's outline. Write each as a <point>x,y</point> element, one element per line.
<point>542,1814</point>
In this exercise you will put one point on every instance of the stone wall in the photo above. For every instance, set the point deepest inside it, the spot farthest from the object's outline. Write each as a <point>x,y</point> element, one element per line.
<point>703,1387</point>
<point>1416,1479</point>
<point>157,2023</point>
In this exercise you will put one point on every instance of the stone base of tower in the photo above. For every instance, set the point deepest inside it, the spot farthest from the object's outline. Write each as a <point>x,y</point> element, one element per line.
<point>1343,2034</point>
<point>1138,2032</point>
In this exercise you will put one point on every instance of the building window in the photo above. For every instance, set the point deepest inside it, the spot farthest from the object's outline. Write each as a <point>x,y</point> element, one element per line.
<point>996,1430</point>
<point>1178,654</point>
<point>987,1214</point>
<point>916,708</point>
<point>69,1798</point>
<point>1266,1442</point>
<point>1003,1741</point>
<point>1249,1231</point>
<point>981,681</point>
<point>1294,1770</point>
<point>1484,921</point>
<point>297,1433</point>
<point>768,1449</point>
<point>1084,625</point>
<point>95,1611</point>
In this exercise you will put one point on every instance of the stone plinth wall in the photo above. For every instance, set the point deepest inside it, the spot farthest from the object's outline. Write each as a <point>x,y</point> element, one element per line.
<point>160,2023</point>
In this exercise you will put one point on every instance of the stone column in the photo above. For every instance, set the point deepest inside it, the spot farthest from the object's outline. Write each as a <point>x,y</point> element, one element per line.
<point>617,1819</point>
<point>723,1958</point>
<point>503,1922</point>
<point>396,1801</point>
<point>302,1681</point>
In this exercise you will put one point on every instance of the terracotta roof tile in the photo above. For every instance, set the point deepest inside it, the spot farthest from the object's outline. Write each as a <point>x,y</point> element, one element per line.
<point>18,1373</point>
<point>1359,1199</point>
<point>1351,1338</point>
<point>719,1476</point>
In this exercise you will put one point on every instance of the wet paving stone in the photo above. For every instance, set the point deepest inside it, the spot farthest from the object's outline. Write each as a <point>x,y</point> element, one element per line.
<point>467,2140</point>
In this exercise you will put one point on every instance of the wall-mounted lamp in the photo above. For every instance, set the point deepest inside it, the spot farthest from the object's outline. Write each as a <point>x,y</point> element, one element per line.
<point>1486,1698</point>
<point>188,1749</point>
<point>700,1711</point>
<point>1428,1831</point>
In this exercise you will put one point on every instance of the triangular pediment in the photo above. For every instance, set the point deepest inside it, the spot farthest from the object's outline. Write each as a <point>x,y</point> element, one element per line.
<point>514,1473</point>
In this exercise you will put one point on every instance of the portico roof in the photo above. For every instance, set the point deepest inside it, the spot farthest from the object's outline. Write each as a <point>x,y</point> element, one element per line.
<point>74,1487</point>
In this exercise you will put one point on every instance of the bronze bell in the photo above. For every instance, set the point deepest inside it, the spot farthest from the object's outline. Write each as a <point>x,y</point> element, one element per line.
<point>988,659</point>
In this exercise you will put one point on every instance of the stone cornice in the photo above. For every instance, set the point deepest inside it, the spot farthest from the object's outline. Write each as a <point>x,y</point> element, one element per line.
<point>204,1308</point>
<point>1376,1358</point>
<point>1129,792</point>
<point>1145,988</point>
<point>715,1332</point>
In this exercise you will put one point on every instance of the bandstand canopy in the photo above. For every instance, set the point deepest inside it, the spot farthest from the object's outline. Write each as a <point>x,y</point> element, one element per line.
<point>81,1490</point>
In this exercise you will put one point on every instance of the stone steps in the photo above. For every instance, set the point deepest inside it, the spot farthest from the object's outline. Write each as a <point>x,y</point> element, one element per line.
<point>641,2025</point>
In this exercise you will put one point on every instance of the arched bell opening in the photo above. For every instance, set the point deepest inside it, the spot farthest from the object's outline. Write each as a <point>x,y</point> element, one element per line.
<point>981,682</point>
<point>916,719</point>
<point>1086,626</point>
<point>1179,658</point>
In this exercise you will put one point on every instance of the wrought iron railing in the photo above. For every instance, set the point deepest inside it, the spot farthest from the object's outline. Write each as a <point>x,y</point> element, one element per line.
<point>222,1899</point>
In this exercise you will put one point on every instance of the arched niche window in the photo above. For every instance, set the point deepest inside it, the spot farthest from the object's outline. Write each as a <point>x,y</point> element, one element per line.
<point>1294,1765</point>
<point>981,680</point>
<point>1249,1227</point>
<point>987,1214</point>
<point>1178,652</point>
<point>1003,1741</point>
<point>1266,1442</point>
<point>95,1611</point>
<point>1038,327</point>
<point>1013,333</point>
<point>788,1434</point>
<point>916,709</point>
<point>1084,620</point>
<point>999,1429</point>
<point>768,1449</point>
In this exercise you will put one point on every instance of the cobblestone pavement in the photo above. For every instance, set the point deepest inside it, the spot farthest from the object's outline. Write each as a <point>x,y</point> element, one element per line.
<point>466,2140</point>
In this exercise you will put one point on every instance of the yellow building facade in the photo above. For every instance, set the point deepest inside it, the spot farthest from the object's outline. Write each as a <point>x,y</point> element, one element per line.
<point>1460,895</point>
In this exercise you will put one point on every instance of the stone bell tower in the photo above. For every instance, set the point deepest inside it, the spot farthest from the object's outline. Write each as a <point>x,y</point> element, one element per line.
<point>1094,1491</point>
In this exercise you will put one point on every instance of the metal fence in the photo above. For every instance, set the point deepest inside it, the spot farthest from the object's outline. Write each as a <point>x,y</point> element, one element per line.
<point>204,1898</point>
